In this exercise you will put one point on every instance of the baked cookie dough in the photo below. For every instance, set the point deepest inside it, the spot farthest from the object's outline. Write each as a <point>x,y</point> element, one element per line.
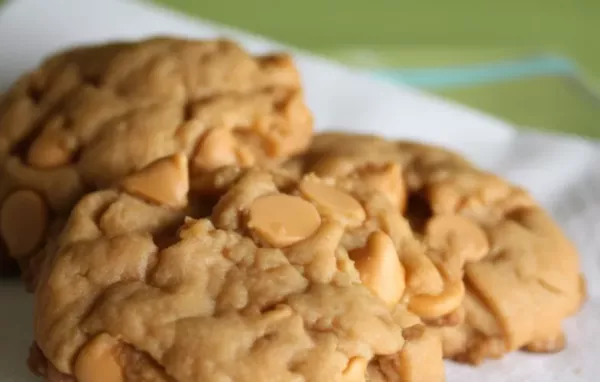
<point>521,275</point>
<point>91,115</point>
<point>287,280</point>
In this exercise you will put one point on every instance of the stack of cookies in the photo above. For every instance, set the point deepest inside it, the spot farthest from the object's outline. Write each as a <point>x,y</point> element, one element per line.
<point>168,204</point>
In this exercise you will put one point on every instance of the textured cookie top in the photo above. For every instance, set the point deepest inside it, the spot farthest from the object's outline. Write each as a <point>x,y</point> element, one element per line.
<point>355,221</point>
<point>521,272</point>
<point>213,305</point>
<point>287,280</point>
<point>89,116</point>
<point>448,182</point>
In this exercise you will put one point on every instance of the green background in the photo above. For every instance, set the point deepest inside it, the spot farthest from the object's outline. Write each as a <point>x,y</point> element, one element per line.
<point>425,34</point>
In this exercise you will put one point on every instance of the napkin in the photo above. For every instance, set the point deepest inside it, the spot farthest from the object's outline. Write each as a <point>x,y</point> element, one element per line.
<point>561,172</point>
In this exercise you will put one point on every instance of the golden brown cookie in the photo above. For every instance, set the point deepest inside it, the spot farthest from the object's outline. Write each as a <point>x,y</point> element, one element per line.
<point>92,115</point>
<point>521,274</point>
<point>288,279</point>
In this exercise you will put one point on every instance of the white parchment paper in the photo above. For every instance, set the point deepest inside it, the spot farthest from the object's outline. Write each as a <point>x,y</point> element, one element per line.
<point>563,173</point>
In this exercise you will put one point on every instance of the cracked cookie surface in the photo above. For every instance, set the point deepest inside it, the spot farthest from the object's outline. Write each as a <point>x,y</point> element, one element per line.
<point>520,273</point>
<point>288,279</point>
<point>89,116</point>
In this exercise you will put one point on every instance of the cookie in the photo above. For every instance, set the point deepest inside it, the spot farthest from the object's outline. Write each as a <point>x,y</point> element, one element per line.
<point>521,274</point>
<point>92,115</point>
<point>287,279</point>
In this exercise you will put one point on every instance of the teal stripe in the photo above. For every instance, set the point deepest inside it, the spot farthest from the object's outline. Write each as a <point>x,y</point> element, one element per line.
<point>469,75</point>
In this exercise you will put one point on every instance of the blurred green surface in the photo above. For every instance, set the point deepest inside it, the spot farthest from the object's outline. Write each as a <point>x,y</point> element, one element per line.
<point>391,34</point>
<point>421,34</point>
<point>570,27</point>
<point>547,103</point>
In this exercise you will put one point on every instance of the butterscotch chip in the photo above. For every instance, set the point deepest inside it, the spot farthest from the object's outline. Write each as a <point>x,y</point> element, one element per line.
<point>333,202</point>
<point>217,149</point>
<point>164,181</point>
<point>356,370</point>
<point>388,180</point>
<point>422,276</point>
<point>432,306</point>
<point>282,220</point>
<point>97,361</point>
<point>90,116</point>
<point>367,169</point>
<point>53,148</point>
<point>379,268</point>
<point>23,221</point>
